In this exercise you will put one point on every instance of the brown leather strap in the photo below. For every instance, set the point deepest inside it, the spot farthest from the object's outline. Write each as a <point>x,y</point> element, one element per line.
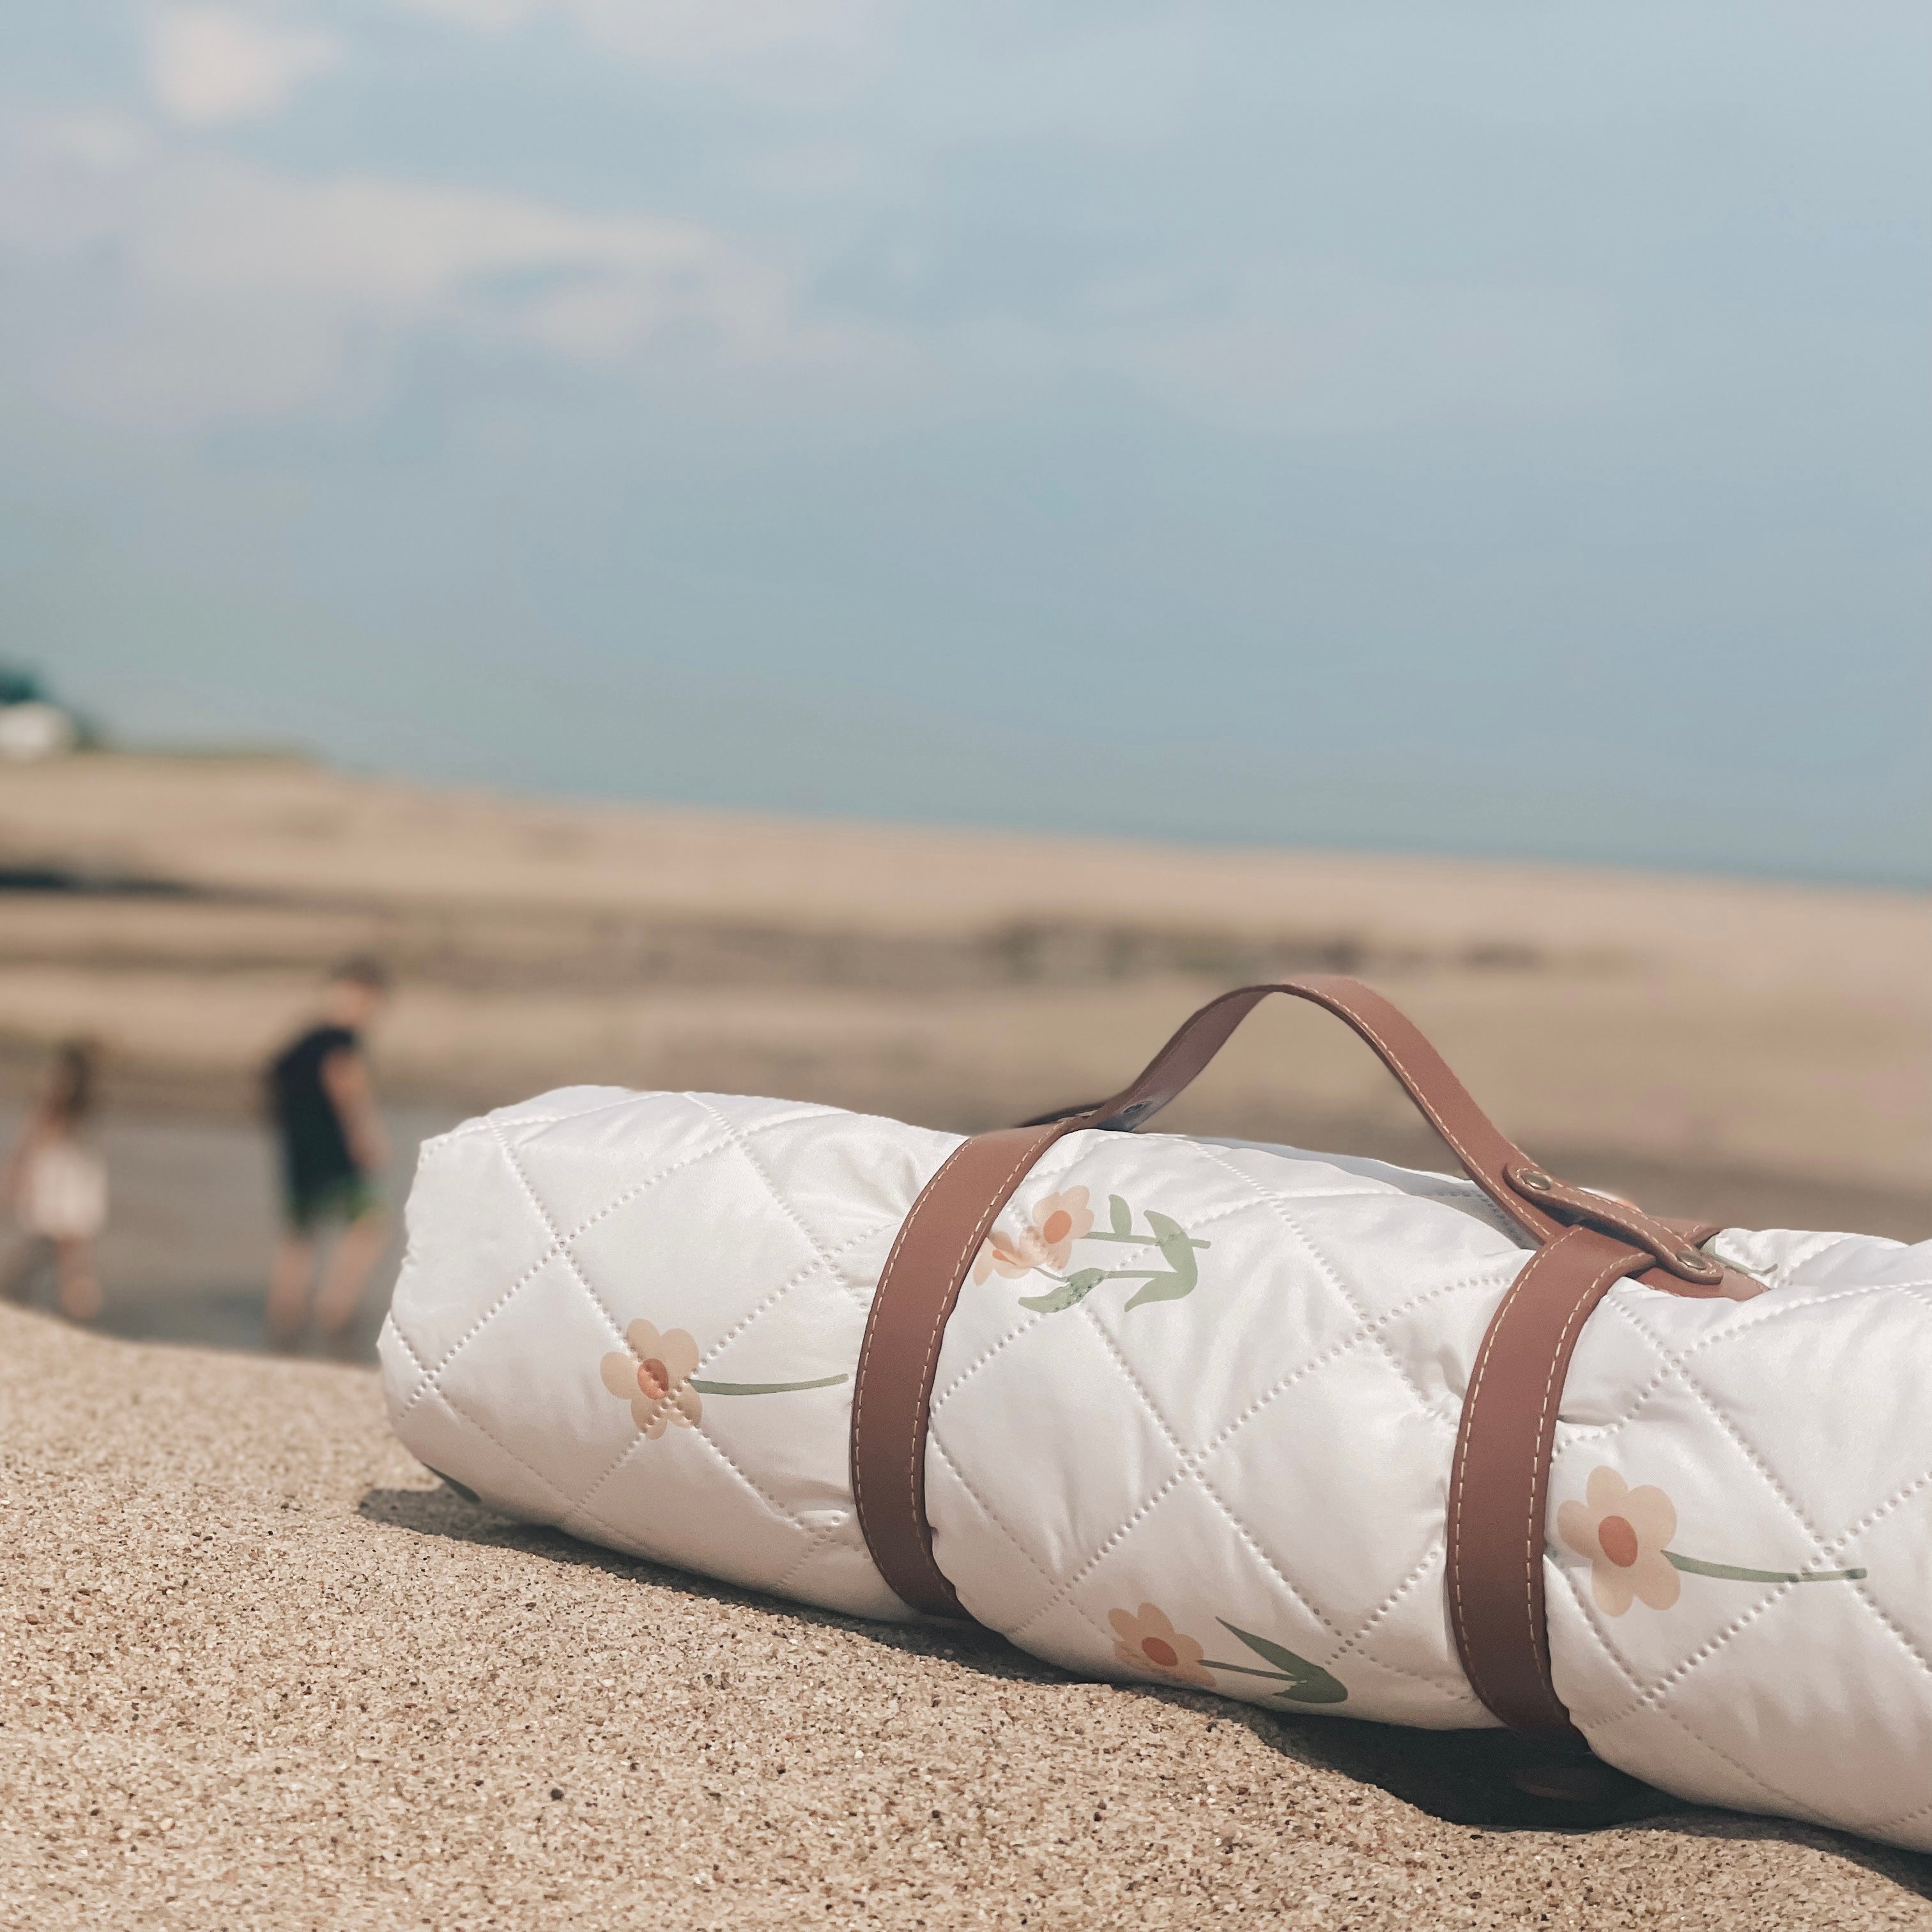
<point>892,1393</point>
<point>1499,1480</point>
<point>1499,1497</point>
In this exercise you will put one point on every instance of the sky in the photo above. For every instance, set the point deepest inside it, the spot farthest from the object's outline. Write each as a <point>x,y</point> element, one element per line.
<point>1499,429</point>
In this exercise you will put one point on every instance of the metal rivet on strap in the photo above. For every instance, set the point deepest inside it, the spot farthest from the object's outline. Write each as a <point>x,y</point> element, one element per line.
<point>1535,1179</point>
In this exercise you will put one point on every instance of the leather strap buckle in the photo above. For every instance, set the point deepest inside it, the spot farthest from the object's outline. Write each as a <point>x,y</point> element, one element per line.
<point>1566,1201</point>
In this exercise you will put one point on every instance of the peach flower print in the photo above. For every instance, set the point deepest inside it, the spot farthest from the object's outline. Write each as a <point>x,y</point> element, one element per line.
<point>655,1376</point>
<point>1149,1642</point>
<point>1624,1532</point>
<point>1046,1241</point>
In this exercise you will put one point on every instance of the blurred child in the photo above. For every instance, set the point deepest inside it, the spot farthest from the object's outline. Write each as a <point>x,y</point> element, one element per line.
<point>56,1185</point>
<point>322,1106</point>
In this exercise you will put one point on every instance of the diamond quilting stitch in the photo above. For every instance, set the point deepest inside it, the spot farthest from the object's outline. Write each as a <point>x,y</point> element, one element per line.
<point>581,1507</point>
<point>1304,1452</point>
<point>1049,1387</point>
<point>735,1335</point>
<point>574,1167</point>
<point>1185,1471</point>
<point>1336,1276</point>
<point>1676,1694</point>
<point>741,1138</point>
<point>1814,1358</point>
<point>553,1244</point>
<point>1288,1381</point>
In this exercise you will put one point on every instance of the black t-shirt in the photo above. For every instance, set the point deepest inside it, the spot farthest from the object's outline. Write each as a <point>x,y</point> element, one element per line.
<point>314,1148</point>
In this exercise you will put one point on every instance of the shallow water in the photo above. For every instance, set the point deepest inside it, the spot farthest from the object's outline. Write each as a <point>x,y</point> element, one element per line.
<point>193,1211</point>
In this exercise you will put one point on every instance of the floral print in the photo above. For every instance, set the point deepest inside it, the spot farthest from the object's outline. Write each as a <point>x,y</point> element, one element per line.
<point>656,1379</point>
<point>1625,1531</point>
<point>1148,1641</point>
<point>1046,1241</point>
<point>655,1376</point>
<point>1145,1640</point>
<point>1045,1245</point>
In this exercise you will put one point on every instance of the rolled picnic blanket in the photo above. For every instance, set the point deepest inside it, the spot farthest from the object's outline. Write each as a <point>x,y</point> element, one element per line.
<point>1313,1432</point>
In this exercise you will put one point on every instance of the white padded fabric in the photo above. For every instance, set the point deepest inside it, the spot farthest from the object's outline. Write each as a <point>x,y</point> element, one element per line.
<point>1237,1482</point>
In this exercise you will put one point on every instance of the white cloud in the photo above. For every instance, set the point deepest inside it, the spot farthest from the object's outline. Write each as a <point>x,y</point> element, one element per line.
<point>175,285</point>
<point>210,65</point>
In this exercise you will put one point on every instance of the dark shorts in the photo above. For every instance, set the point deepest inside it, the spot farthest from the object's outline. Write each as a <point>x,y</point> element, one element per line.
<point>336,1197</point>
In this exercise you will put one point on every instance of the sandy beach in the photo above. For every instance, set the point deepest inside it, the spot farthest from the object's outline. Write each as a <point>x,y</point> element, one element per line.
<point>1760,1052</point>
<point>258,1669</point>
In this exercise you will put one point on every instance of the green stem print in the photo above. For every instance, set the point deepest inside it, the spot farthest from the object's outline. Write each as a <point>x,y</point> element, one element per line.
<point>1180,1276</point>
<point>1626,1534</point>
<point>1737,1573</point>
<point>1303,1682</point>
<point>761,1388</point>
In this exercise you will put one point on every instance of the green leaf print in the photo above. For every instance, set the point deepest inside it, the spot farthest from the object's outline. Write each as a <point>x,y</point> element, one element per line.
<point>1177,1248</point>
<point>1074,1288</point>
<point>1308,1683</point>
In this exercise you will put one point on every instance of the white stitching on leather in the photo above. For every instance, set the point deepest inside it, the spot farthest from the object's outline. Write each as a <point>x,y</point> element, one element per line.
<point>916,1453</point>
<point>859,1380</point>
<point>1460,1466</point>
<point>1587,1300</point>
<point>1394,1061</point>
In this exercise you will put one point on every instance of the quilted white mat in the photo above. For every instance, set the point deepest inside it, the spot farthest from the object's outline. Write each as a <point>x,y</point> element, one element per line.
<point>1193,1424</point>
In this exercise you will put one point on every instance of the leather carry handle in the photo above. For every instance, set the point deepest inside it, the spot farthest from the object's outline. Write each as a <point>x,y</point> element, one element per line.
<point>1539,1204</point>
<point>1499,1482</point>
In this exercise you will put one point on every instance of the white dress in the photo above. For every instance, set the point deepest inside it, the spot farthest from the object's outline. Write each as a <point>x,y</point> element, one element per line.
<point>64,1191</point>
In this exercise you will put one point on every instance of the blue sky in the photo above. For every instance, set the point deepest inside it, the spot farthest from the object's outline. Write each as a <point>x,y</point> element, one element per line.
<point>1493,428</point>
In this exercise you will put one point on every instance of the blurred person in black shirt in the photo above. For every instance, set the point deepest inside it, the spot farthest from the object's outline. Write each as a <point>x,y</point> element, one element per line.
<point>322,1106</point>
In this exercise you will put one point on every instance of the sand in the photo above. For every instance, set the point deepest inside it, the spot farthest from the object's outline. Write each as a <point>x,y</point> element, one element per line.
<point>257,1669</point>
<point>1756,1052</point>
